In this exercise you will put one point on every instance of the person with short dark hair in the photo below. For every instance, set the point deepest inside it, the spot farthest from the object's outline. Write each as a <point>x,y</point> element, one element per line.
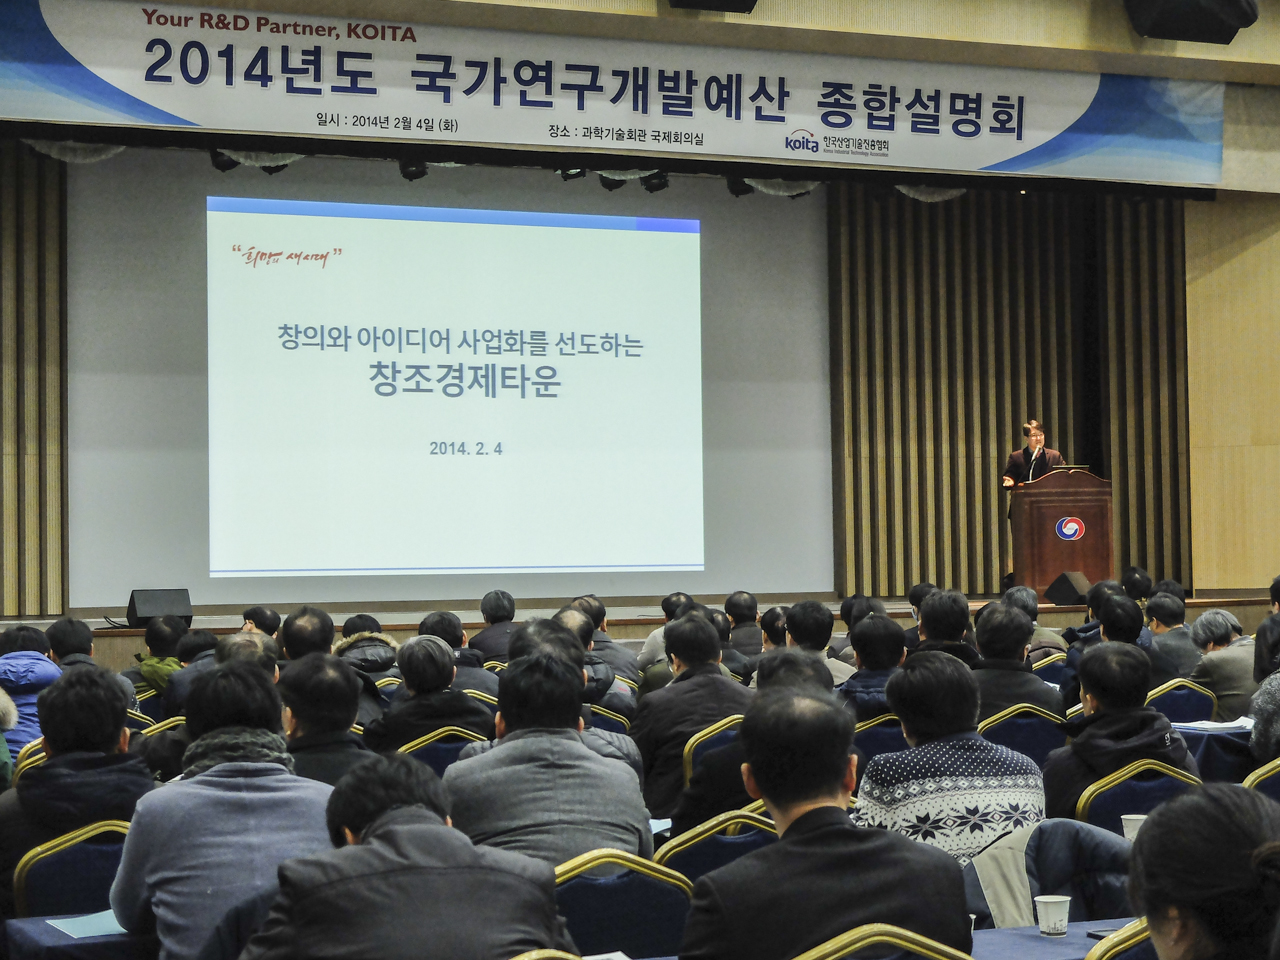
<point>471,673</point>
<point>1079,639</point>
<point>1173,652</point>
<point>879,648</point>
<point>809,627</point>
<point>622,661</point>
<point>360,623</point>
<point>254,647</point>
<point>654,649</point>
<point>25,670</point>
<point>307,630</point>
<point>426,702</point>
<point>824,876</point>
<point>161,636</point>
<point>1226,663</point>
<point>569,800</point>
<point>603,688</point>
<point>396,852</point>
<point>1136,583</point>
<point>1004,676</point>
<point>195,652</point>
<point>261,620</point>
<point>372,654</point>
<point>498,608</point>
<point>697,697</point>
<point>71,645</point>
<point>852,611</point>
<point>1044,642</point>
<point>952,789</point>
<point>945,626</point>
<point>735,662</point>
<point>88,775</point>
<point>1116,729</point>
<point>915,597</point>
<point>744,616</point>
<point>321,696</point>
<point>202,845</point>
<point>773,636</point>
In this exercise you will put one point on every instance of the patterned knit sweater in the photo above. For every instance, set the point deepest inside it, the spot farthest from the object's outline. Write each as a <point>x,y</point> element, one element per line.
<point>959,793</point>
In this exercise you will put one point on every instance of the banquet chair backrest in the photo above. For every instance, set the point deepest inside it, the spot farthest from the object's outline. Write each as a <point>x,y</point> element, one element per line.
<point>883,734</point>
<point>440,748</point>
<point>720,840</point>
<point>35,746</point>
<point>1266,779</point>
<point>719,734</point>
<point>604,719</point>
<point>1131,942</point>
<point>71,874</point>
<point>137,721</point>
<point>33,760</point>
<point>640,910</point>
<point>882,934</point>
<point>488,699</point>
<point>495,666</point>
<point>1138,788</point>
<point>164,725</point>
<point>1183,701</point>
<point>1051,668</point>
<point>151,704</point>
<point>1026,728</point>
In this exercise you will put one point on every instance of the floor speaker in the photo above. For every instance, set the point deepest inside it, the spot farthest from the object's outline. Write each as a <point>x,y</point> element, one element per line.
<point>723,6</point>
<point>1200,21</point>
<point>146,604</point>
<point>1068,590</point>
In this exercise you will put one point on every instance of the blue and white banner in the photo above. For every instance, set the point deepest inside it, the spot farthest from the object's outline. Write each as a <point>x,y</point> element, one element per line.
<point>153,65</point>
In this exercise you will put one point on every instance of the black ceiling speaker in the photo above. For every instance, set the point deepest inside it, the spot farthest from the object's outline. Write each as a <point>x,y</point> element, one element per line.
<point>723,6</point>
<point>1200,21</point>
<point>1068,590</point>
<point>147,604</point>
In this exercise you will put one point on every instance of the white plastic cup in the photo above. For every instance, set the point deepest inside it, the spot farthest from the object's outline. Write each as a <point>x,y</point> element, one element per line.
<point>1052,913</point>
<point>1132,822</point>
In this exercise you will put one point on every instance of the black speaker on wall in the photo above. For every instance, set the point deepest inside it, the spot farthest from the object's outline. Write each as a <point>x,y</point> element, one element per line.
<point>1200,21</point>
<point>722,6</point>
<point>1068,590</point>
<point>146,604</point>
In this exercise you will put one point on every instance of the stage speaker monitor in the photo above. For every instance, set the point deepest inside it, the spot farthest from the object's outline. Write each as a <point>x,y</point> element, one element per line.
<point>1068,590</point>
<point>722,6</point>
<point>1200,21</point>
<point>146,604</point>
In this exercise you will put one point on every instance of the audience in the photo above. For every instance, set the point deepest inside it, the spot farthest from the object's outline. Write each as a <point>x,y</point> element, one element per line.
<point>498,608</point>
<point>697,697</point>
<point>1044,642</point>
<point>1116,729</point>
<point>202,845</point>
<point>195,653</point>
<point>603,689</point>
<point>809,626</point>
<point>1266,653</point>
<point>1004,676</point>
<point>262,620</point>
<point>321,696</point>
<point>879,648</point>
<point>471,673</point>
<point>773,636</point>
<point>655,650</point>
<point>1173,652</point>
<point>372,652</point>
<point>25,670</point>
<point>916,596</point>
<point>716,785</point>
<point>71,645</point>
<point>944,624</point>
<point>360,623</point>
<point>623,662</point>
<point>736,663</point>
<point>1205,872</point>
<point>952,789</point>
<point>426,703</point>
<point>1136,584</point>
<point>161,636</point>
<point>567,799</point>
<point>824,876</point>
<point>743,614</point>
<point>88,774</point>
<point>1226,663</point>
<point>1119,620</point>
<point>852,610</point>
<point>402,884</point>
<point>309,630</point>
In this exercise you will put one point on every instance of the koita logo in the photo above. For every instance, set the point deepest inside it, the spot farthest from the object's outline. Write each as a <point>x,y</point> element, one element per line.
<point>801,140</point>
<point>1070,528</point>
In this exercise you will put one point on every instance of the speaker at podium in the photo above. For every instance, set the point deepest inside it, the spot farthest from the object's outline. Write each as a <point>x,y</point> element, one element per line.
<point>1062,536</point>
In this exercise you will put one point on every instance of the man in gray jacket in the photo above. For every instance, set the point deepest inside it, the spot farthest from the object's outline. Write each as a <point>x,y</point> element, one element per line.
<point>540,791</point>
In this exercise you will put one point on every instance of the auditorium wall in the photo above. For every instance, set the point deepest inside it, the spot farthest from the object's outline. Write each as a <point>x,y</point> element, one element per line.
<point>138,482</point>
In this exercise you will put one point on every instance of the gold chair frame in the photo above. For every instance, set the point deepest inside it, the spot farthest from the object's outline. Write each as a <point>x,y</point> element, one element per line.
<point>35,746</point>
<point>728,723</point>
<point>164,725</point>
<point>1052,658</point>
<point>547,955</point>
<point>635,687</point>
<point>387,682</point>
<point>1123,939</point>
<point>141,717</point>
<point>34,760</point>
<point>357,729</point>
<point>609,715</point>
<point>872,934</point>
<point>486,698</point>
<point>1098,787</point>
<point>440,734</point>
<point>1016,710</point>
<point>56,845</point>
<point>1182,683</point>
<point>1264,772</point>
<point>146,694</point>
<point>883,718</point>
<point>605,855</point>
<point>730,824</point>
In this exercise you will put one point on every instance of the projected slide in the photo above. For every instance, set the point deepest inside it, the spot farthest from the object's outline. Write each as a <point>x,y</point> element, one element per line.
<point>410,390</point>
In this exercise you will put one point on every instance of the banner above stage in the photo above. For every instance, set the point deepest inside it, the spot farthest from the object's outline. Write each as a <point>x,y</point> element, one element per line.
<point>149,65</point>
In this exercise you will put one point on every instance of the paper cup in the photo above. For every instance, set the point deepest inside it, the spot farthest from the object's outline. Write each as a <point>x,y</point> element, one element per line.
<point>1052,914</point>
<point>1132,822</point>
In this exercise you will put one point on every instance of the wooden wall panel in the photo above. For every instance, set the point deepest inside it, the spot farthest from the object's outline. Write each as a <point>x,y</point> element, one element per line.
<point>32,382</point>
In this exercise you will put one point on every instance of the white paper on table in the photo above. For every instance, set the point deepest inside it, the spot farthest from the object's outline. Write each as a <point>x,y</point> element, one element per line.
<point>91,925</point>
<point>1243,725</point>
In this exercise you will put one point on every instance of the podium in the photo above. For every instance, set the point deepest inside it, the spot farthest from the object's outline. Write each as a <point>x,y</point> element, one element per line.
<point>1061,522</point>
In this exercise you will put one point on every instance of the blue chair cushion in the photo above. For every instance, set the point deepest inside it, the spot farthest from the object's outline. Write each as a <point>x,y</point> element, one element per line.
<point>1184,705</point>
<point>882,738</point>
<point>721,739</point>
<point>75,880</point>
<point>440,755</point>
<point>628,911</point>
<point>715,851</point>
<point>1133,796</point>
<point>1052,672</point>
<point>1029,735</point>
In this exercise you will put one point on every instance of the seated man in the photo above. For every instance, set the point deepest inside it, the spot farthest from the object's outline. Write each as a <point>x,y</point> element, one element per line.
<point>321,696</point>
<point>1004,676</point>
<point>952,789</point>
<point>426,703</point>
<point>654,649</point>
<point>736,663</point>
<point>195,653</point>
<point>852,611</point>
<point>1081,639</point>
<point>824,876</point>
<point>307,630</point>
<point>1173,653</point>
<point>697,697</point>
<point>944,626</point>
<point>202,845</point>
<point>498,608</point>
<point>25,670</point>
<point>745,636</point>
<point>603,688</point>
<point>916,596</point>
<point>716,785</point>
<point>1115,730</point>
<point>161,638</point>
<point>567,799</point>
<point>87,777</point>
<point>71,645</point>
<point>773,636</point>
<point>403,884</point>
<point>623,662</point>
<point>1226,667</point>
<point>262,620</point>
<point>372,652</point>
<point>471,673</point>
<point>1044,642</point>
<point>879,647</point>
<point>809,626</point>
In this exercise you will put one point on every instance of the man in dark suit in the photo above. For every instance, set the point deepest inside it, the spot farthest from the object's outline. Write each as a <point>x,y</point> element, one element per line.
<point>1033,461</point>
<point>698,696</point>
<point>471,673</point>
<point>916,598</point>
<point>1173,652</point>
<point>621,661</point>
<point>944,626</point>
<point>824,876</point>
<point>321,696</point>
<point>498,608</point>
<point>743,613</point>
<point>195,653</point>
<point>1004,676</point>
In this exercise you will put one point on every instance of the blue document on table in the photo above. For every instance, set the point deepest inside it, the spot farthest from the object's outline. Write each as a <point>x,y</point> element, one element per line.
<point>90,925</point>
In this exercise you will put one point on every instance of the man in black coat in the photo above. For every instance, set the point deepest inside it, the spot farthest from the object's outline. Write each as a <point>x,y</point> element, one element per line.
<point>195,653</point>
<point>471,672</point>
<point>743,612</point>
<point>1033,461</point>
<point>623,663</point>
<point>402,881</point>
<point>1173,652</point>
<point>1004,676</point>
<point>944,625</point>
<point>1116,730</point>
<point>498,608</point>
<point>697,697</point>
<point>824,876</point>
<point>321,696</point>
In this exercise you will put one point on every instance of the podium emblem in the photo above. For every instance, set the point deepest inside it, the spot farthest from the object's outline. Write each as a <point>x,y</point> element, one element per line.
<point>1070,528</point>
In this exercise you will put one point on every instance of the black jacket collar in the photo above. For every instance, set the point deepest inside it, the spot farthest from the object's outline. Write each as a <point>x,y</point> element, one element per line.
<point>1009,665</point>
<point>699,670</point>
<point>818,819</point>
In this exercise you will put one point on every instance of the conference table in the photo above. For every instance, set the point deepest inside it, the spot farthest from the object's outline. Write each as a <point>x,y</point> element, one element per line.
<point>1222,754</point>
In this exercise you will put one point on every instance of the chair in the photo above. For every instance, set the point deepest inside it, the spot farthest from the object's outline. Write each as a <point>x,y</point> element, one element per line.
<point>875,934</point>
<point>1051,668</point>
<point>719,734</point>
<point>1073,712</point>
<point>164,725</point>
<point>604,719</point>
<point>635,687</point>
<point>1264,779</point>
<point>440,748</point>
<point>882,734</point>
<point>640,911</point>
<point>716,842</point>
<point>387,688</point>
<point>487,699</point>
<point>151,704</point>
<point>1026,728</point>
<point>136,721</point>
<point>35,746</point>
<point>1182,701</point>
<point>1131,942</point>
<point>34,760</point>
<point>69,875</point>
<point>1128,791</point>
<point>357,729</point>
<point>547,955</point>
